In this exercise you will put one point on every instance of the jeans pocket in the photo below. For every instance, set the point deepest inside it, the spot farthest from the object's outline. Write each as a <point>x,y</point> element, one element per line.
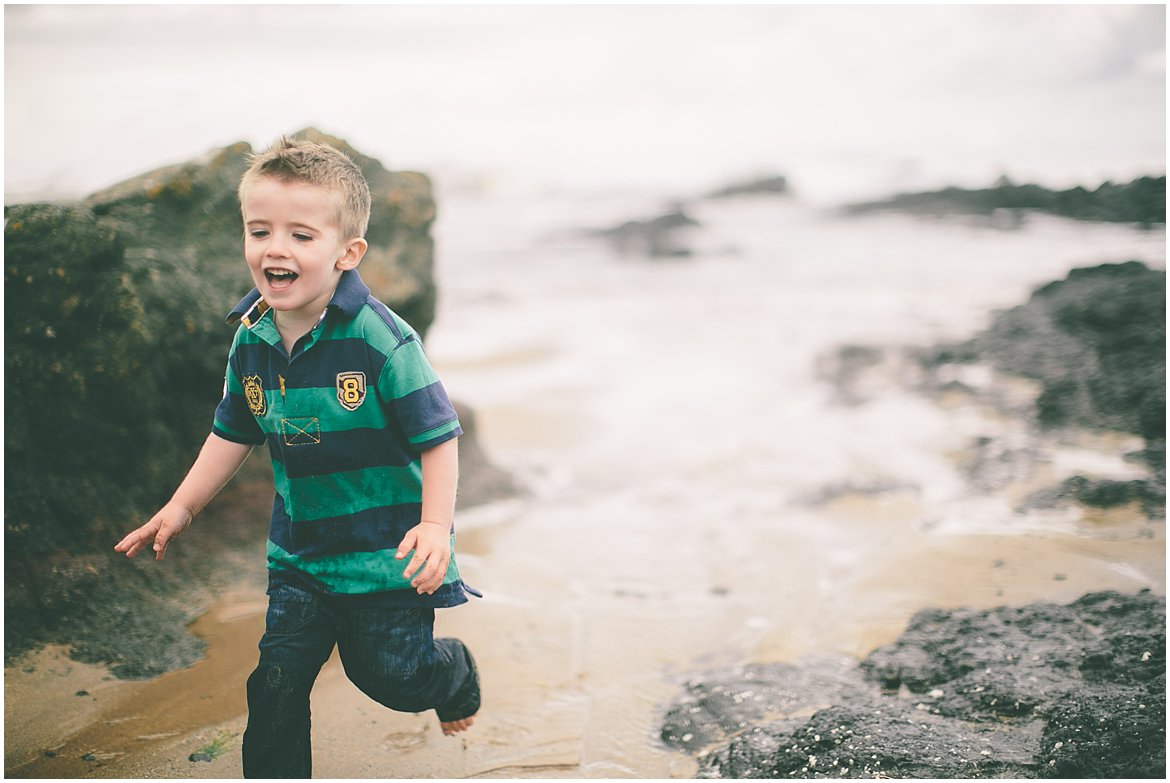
<point>290,612</point>
<point>393,642</point>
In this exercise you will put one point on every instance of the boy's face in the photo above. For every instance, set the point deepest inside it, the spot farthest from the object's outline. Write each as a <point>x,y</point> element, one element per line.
<point>294,247</point>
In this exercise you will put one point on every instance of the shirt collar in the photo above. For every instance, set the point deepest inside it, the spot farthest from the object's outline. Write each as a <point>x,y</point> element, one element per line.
<point>349,297</point>
<point>351,294</point>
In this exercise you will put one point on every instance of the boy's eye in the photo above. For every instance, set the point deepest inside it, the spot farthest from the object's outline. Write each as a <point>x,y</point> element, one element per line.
<point>258,233</point>
<point>302,237</point>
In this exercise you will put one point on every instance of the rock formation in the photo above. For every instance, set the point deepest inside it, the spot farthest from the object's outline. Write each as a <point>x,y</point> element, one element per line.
<point>1094,342</point>
<point>764,186</point>
<point>1039,691</point>
<point>1142,201</point>
<point>659,237</point>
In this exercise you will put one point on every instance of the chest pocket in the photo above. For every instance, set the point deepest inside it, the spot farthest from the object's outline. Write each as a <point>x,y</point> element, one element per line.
<point>300,430</point>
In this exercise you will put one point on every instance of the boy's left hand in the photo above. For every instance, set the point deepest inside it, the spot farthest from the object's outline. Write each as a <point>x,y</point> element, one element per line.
<point>431,543</point>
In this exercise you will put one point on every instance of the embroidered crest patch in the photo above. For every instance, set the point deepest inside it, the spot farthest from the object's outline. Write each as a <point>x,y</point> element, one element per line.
<point>254,394</point>
<point>351,389</point>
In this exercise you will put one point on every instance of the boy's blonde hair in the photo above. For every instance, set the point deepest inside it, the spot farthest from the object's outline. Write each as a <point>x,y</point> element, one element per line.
<point>313,163</point>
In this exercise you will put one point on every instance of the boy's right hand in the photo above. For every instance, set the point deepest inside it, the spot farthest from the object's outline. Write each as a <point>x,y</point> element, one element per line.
<point>170,521</point>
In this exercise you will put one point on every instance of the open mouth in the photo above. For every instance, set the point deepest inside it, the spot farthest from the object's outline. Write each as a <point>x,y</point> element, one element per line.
<point>279,277</point>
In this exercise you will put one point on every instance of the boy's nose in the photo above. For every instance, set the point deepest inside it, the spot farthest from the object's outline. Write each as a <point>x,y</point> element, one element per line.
<point>277,247</point>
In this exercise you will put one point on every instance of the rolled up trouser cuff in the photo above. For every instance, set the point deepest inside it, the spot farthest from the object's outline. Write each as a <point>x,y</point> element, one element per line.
<point>466,700</point>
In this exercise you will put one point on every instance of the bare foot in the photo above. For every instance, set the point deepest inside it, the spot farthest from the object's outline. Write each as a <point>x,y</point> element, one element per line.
<point>453,726</point>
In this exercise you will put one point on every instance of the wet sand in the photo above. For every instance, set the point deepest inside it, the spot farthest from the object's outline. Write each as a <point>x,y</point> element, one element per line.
<point>67,719</point>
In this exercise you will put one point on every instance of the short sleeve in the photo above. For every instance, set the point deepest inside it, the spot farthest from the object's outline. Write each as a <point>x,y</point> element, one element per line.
<point>416,398</point>
<point>233,420</point>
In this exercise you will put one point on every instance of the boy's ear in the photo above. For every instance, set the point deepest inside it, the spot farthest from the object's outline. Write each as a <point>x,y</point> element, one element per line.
<point>354,250</point>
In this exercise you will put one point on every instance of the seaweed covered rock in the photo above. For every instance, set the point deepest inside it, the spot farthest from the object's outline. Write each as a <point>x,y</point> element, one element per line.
<point>1039,691</point>
<point>85,406</point>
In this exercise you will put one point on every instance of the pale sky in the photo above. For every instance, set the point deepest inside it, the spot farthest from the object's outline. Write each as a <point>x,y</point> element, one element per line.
<point>845,100</point>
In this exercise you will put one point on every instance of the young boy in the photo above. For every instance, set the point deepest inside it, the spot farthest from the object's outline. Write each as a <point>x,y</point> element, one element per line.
<point>363,444</point>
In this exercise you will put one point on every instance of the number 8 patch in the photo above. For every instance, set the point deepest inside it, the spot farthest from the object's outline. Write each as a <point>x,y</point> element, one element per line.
<point>351,389</point>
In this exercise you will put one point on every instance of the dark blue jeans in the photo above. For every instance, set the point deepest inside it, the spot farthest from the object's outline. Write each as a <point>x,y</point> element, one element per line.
<point>389,653</point>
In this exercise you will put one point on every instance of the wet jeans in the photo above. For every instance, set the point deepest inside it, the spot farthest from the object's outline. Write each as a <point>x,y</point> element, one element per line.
<point>388,653</point>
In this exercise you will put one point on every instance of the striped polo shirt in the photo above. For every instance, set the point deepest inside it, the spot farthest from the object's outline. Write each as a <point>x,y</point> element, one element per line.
<point>346,418</point>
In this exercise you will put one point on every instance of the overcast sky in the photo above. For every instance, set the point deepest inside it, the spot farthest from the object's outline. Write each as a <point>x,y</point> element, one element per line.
<point>845,100</point>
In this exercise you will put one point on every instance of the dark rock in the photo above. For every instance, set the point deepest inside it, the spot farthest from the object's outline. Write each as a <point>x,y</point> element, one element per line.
<point>1105,494</point>
<point>718,707</point>
<point>765,186</point>
<point>480,480</point>
<point>201,757</point>
<point>1042,690</point>
<point>844,370</point>
<point>875,487</point>
<point>1142,201</point>
<point>1076,745</point>
<point>867,741</point>
<point>1099,493</point>
<point>658,237</point>
<point>1096,341</point>
<point>1095,344</point>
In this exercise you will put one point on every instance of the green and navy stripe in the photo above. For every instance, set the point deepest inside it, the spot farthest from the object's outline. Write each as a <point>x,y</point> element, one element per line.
<point>348,482</point>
